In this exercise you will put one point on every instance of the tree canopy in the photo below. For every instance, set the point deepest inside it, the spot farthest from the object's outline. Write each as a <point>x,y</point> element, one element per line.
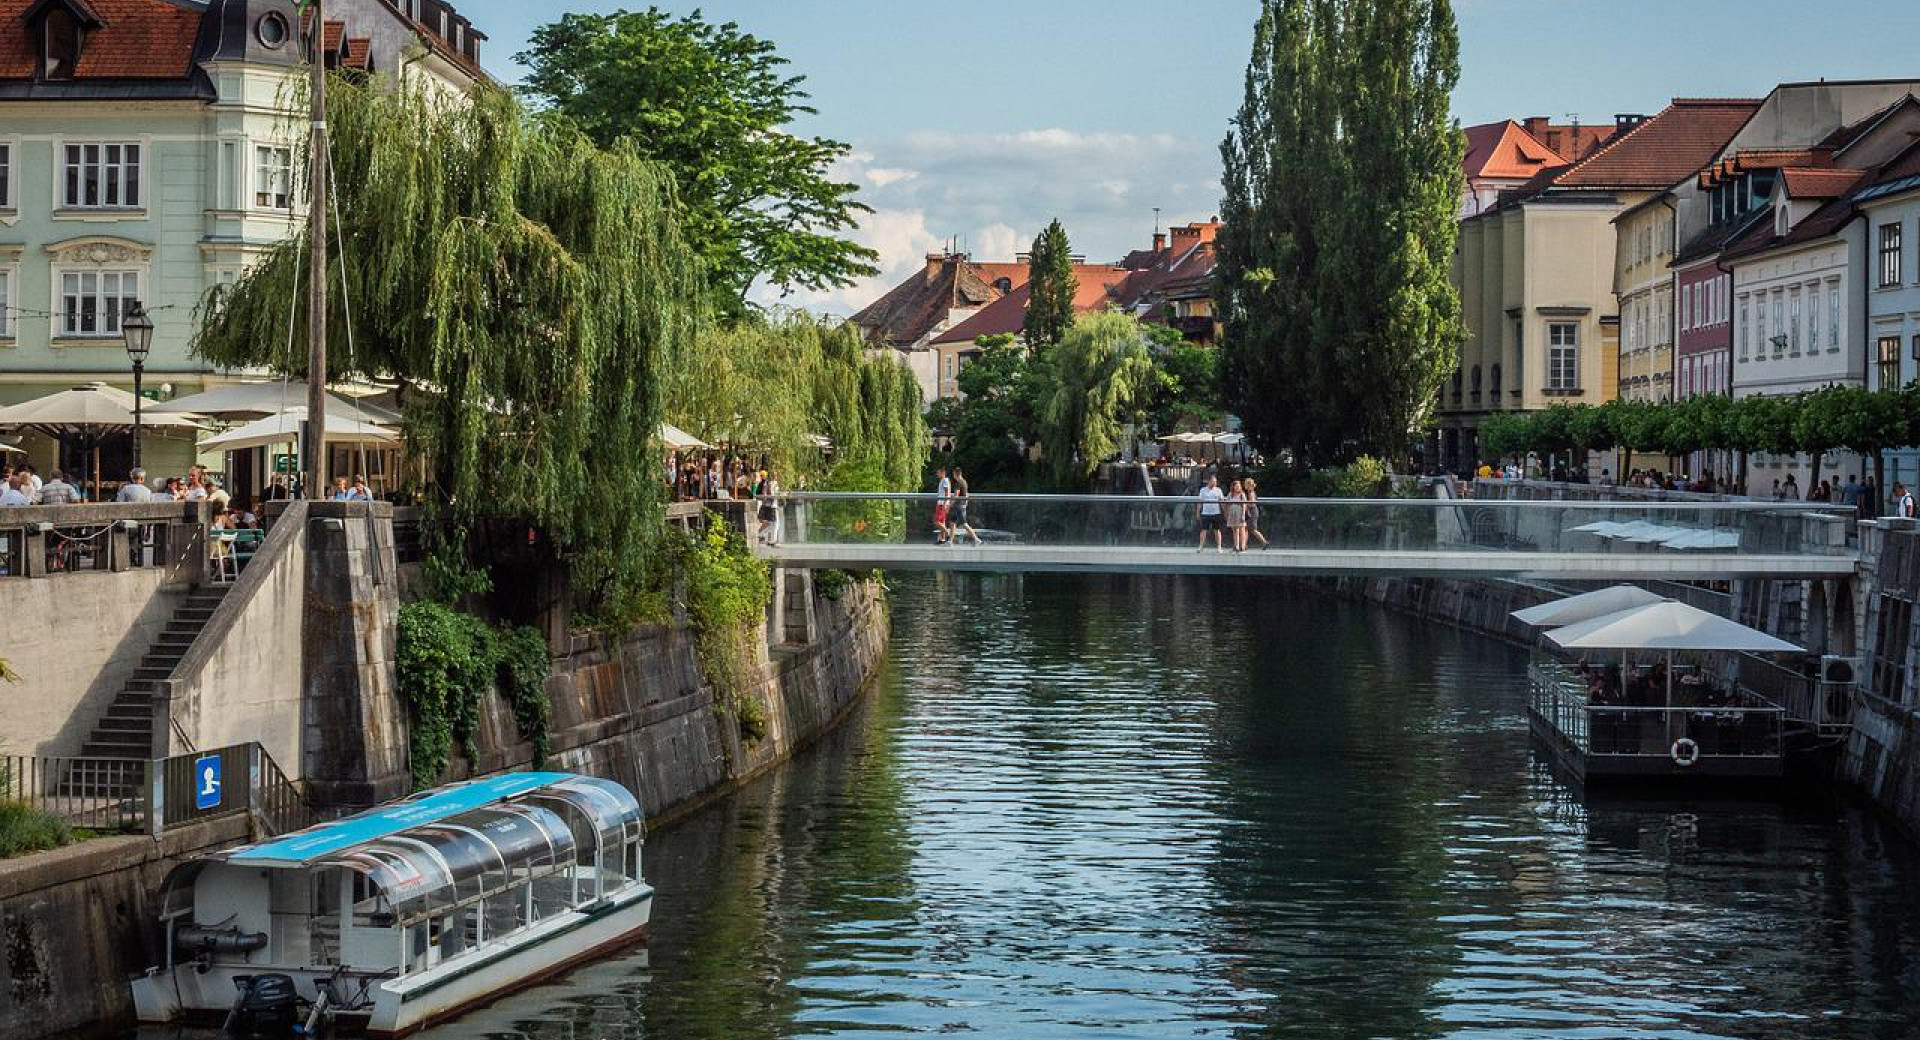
<point>1051,287</point>
<point>530,290</point>
<point>713,104</point>
<point>1103,373</point>
<point>1342,182</point>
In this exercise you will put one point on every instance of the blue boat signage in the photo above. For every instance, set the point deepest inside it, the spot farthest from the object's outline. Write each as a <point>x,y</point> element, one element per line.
<point>329,838</point>
<point>207,782</point>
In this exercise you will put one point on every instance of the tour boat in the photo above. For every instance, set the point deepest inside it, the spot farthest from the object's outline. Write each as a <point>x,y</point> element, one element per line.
<point>405,915</point>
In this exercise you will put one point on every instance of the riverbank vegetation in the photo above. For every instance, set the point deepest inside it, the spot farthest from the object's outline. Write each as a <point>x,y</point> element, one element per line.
<point>1815,423</point>
<point>447,662</point>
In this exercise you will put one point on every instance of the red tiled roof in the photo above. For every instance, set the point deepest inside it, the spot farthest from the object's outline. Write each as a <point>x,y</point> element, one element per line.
<point>1506,150</point>
<point>1904,165</point>
<point>1099,284</point>
<point>1662,150</point>
<point>335,30</point>
<point>137,39</point>
<point>357,49</point>
<point>913,308</point>
<point>1818,183</point>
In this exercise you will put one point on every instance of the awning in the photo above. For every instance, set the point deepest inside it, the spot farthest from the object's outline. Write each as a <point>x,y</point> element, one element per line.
<point>1667,625</point>
<point>1587,605</point>
<point>258,399</point>
<point>285,428</point>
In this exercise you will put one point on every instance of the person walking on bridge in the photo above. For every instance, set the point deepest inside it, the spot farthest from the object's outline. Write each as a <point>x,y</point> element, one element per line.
<point>957,511</point>
<point>1237,515</point>
<point>1211,518</point>
<point>1253,512</point>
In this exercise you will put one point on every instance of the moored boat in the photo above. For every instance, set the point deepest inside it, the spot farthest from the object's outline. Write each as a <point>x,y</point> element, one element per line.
<point>405,915</point>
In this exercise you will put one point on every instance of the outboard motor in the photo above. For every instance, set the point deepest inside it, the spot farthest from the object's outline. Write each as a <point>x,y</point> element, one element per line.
<point>267,1005</point>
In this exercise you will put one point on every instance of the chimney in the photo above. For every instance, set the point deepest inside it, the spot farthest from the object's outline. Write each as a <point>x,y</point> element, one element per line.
<point>1536,125</point>
<point>1023,258</point>
<point>1159,241</point>
<point>935,261</point>
<point>1627,121</point>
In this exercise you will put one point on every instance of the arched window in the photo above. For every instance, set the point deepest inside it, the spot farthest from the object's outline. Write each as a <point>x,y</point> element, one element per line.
<point>1493,381</point>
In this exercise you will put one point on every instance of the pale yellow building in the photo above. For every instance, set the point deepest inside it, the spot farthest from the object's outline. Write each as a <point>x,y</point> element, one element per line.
<point>1537,274</point>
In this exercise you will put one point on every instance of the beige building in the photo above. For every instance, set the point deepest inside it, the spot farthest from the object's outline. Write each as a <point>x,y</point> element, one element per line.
<point>1537,273</point>
<point>1643,290</point>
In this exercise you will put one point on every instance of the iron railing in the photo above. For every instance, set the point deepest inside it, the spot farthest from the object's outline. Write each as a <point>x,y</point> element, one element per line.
<point>107,795</point>
<point>118,795</point>
<point>1750,728</point>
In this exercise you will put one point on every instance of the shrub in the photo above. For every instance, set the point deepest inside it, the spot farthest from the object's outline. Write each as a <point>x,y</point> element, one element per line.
<point>24,829</point>
<point>446,661</point>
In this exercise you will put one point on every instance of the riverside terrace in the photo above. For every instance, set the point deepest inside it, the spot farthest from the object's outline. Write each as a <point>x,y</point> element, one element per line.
<point>1564,540</point>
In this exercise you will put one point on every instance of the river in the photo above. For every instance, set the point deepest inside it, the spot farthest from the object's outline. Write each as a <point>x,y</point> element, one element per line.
<point>1166,808</point>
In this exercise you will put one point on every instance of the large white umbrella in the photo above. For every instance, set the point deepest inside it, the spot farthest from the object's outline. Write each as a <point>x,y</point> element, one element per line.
<point>1666,625</point>
<point>675,437</point>
<point>94,408</point>
<point>1585,606</point>
<point>285,427</point>
<point>258,399</point>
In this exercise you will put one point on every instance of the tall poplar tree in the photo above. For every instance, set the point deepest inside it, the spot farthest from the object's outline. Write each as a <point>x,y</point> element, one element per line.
<point>1050,289</point>
<point>1342,178</point>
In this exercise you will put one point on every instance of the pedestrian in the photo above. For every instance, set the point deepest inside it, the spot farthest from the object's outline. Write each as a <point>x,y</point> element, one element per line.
<point>217,496</point>
<point>1791,488</point>
<point>57,492</point>
<point>15,493</point>
<point>1253,512</point>
<point>1850,494</point>
<point>1236,516</point>
<point>769,494</point>
<point>1869,499</point>
<point>340,490</point>
<point>957,511</point>
<point>1606,478</point>
<point>1822,492</point>
<point>359,492</point>
<point>1902,501</point>
<point>135,489</point>
<point>1778,494</point>
<point>942,494</point>
<point>277,490</point>
<point>33,484</point>
<point>1210,513</point>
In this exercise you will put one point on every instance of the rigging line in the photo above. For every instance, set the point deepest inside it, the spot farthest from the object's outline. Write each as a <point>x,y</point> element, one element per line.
<point>286,365</point>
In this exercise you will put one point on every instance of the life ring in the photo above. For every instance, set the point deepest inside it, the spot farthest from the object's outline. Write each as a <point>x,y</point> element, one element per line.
<point>1685,752</point>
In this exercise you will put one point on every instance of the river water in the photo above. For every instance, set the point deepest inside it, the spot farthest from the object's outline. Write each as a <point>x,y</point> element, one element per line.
<point>1166,808</point>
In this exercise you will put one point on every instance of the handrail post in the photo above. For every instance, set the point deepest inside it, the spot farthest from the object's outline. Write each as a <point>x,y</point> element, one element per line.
<point>156,798</point>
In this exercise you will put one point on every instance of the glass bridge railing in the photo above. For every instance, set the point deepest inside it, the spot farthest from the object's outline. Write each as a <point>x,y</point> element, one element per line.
<point>1333,525</point>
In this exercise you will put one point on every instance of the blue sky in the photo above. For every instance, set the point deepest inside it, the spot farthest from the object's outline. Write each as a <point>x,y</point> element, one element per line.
<point>982,121</point>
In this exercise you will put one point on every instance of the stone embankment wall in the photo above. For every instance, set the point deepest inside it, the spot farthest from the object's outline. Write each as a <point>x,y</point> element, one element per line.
<point>76,924</point>
<point>1883,750</point>
<point>636,709</point>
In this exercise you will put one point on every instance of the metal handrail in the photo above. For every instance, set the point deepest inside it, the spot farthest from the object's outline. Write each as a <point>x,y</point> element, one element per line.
<point>1520,505</point>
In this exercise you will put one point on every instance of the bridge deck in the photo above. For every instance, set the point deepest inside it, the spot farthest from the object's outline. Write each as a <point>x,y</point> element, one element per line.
<point>1465,563</point>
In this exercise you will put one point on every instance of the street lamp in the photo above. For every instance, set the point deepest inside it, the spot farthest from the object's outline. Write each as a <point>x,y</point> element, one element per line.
<point>137,329</point>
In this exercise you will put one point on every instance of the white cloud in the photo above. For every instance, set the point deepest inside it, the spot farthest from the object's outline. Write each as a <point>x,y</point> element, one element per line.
<point>993,192</point>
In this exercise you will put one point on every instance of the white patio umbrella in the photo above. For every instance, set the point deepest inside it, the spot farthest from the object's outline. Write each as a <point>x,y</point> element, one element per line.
<point>269,397</point>
<point>285,427</point>
<point>1587,605</point>
<point>1668,625</point>
<point>675,437</point>
<point>88,411</point>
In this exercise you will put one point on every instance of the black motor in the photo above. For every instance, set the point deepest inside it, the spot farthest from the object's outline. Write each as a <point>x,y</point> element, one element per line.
<point>267,1005</point>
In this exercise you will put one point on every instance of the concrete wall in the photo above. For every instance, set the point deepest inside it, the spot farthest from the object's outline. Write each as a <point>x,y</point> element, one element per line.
<point>77,923</point>
<point>241,681</point>
<point>74,639</point>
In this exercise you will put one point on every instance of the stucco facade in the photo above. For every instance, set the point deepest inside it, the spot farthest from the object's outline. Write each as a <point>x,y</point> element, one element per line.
<point>1892,337</point>
<point>1643,285</point>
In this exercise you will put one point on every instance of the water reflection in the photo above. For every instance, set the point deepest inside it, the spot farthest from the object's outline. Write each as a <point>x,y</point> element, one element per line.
<point>1187,808</point>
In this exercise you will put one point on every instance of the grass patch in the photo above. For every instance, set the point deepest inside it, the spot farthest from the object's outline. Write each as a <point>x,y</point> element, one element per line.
<point>24,829</point>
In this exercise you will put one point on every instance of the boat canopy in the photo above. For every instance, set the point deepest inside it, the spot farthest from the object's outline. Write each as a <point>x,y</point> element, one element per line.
<point>455,843</point>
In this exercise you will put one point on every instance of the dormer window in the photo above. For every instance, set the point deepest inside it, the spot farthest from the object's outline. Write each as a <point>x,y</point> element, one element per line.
<point>58,29</point>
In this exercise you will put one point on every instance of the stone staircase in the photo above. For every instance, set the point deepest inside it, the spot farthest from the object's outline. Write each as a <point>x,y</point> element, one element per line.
<point>126,731</point>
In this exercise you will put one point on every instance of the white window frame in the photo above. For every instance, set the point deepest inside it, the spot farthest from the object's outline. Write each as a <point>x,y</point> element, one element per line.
<point>141,167</point>
<point>9,291</point>
<point>1745,321</point>
<point>108,322</point>
<point>260,175</point>
<point>1833,319</point>
<point>1793,322</point>
<point>1563,358</point>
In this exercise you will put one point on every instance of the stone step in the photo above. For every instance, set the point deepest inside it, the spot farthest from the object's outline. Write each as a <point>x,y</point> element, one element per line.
<point>150,672</point>
<point>117,744</point>
<point>112,724</point>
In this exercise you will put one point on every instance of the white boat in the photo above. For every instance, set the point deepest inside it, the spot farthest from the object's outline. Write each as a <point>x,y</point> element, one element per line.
<point>405,915</point>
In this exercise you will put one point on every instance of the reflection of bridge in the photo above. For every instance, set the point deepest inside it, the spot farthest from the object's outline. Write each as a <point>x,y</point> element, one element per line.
<point>1679,541</point>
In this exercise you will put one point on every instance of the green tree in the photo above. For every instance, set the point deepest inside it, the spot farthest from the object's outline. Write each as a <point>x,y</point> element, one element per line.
<point>714,105</point>
<point>1104,370</point>
<point>998,415</point>
<point>1186,388</point>
<point>1342,176</point>
<point>1051,286</point>
<point>532,302</point>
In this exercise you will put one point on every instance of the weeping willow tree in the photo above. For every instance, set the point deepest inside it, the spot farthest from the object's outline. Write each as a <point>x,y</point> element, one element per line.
<point>778,384</point>
<point>1103,374</point>
<point>530,291</point>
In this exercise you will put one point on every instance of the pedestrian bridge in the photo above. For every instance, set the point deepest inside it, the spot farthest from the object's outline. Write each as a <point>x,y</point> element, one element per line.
<point>1439,538</point>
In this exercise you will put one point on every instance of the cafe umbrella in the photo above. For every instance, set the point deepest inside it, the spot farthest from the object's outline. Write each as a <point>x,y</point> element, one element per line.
<point>87,412</point>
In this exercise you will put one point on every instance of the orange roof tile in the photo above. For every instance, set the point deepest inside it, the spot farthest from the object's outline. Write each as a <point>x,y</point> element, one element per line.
<point>1506,150</point>
<point>137,39</point>
<point>1097,288</point>
<point>1662,150</point>
<point>1819,183</point>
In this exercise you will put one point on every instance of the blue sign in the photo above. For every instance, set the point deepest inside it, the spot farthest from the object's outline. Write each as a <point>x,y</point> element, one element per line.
<point>206,782</point>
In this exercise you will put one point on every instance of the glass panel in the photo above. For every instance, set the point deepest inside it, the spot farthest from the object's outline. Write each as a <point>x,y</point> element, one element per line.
<point>133,175</point>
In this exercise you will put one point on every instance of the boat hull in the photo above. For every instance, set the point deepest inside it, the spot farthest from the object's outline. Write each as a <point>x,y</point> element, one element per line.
<point>403,1005</point>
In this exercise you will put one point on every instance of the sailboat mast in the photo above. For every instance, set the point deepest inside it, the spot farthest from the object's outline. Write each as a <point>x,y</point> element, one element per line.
<point>313,463</point>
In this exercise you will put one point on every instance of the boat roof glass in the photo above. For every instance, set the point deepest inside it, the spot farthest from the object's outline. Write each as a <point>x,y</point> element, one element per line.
<point>608,804</point>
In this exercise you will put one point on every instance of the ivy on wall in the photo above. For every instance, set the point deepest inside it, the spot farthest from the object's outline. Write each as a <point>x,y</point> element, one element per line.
<point>446,662</point>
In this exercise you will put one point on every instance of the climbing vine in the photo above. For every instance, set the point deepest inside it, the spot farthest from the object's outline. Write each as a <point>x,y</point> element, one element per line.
<point>724,589</point>
<point>446,663</point>
<point>529,290</point>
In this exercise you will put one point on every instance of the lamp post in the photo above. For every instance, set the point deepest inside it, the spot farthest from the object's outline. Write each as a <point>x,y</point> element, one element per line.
<point>137,329</point>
